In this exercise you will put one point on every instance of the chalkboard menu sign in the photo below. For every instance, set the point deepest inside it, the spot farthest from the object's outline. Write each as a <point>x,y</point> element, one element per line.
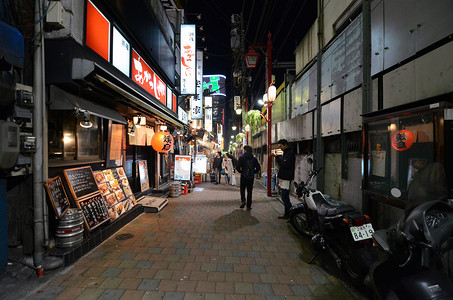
<point>81,182</point>
<point>57,195</point>
<point>94,210</point>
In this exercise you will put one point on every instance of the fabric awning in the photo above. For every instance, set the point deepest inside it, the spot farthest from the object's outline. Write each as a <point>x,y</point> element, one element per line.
<point>62,100</point>
<point>11,45</point>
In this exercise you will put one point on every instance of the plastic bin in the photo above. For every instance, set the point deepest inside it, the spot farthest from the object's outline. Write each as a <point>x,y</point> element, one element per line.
<point>197,178</point>
<point>273,180</point>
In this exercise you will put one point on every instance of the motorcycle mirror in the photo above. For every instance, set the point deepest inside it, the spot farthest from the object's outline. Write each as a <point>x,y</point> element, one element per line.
<point>309,160</point>
<point>395,192</point>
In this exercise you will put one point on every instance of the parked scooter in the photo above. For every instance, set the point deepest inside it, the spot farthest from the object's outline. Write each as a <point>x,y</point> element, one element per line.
<point>411,266</point>
<point>333,226</point>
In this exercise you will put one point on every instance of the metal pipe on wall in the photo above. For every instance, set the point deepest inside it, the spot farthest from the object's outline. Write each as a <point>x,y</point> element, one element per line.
<point>38,190</point>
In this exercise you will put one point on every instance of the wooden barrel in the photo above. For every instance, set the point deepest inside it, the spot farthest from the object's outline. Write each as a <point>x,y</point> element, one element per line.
<point>69,232</point>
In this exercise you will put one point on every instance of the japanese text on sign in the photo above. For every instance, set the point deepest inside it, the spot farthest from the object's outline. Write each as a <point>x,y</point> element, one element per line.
<point>147,79</point>
<point>188,59</point>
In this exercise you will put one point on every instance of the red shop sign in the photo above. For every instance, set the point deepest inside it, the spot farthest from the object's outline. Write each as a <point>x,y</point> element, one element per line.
<point>147,78</point>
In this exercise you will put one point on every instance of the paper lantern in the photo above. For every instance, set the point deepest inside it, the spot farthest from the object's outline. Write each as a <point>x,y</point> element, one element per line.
<point>162,142</point>
<point>402,140</point>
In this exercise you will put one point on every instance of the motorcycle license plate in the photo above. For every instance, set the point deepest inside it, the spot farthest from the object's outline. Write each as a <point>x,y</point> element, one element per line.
<point>362,232</point>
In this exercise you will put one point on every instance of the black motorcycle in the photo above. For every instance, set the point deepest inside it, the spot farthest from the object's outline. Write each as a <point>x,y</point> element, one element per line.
<point>411,266</point>
<point>333,226</point>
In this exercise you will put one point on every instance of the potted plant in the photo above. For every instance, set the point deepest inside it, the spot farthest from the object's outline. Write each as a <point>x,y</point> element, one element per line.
<point>253,118</point>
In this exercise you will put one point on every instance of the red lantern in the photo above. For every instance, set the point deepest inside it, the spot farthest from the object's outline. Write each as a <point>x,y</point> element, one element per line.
<point>402,140</point>
<point>162,142</point>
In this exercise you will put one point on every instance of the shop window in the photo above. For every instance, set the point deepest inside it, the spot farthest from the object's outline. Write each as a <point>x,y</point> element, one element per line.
<point>397,148</point>
<point>70,141</point>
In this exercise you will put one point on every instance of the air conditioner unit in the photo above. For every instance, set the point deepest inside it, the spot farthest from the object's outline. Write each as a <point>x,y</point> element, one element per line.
<point>55,15</point>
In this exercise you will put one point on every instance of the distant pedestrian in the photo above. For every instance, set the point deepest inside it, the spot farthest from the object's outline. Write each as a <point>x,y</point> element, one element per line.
<point>248,166</point>
<point>285,174</point>
<point>217,167</point>
<point>234,163</point>
<point>227,165</point>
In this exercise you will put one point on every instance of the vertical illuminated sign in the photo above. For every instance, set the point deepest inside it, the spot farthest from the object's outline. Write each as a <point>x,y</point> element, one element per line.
<point>121,52</point>
<point>188,59</point>
<point>169,98</point>
<point>208,113</point>
<point>175,105</point>
<point>196,103</point>
<point>97,31</point>
<point>182,116</point>
<point>147,79</point>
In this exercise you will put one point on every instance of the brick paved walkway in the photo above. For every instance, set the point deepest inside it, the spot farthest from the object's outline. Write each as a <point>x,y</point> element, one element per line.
<point>200,246</point>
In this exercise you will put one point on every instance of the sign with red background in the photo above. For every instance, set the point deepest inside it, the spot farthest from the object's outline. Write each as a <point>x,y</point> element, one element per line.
<point>147,78</point>
<point>98,31</point>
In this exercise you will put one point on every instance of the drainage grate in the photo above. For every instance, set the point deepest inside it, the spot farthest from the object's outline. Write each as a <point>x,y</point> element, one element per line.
<point>124,236</point>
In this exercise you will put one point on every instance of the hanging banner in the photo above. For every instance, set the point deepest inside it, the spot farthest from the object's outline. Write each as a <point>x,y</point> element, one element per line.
<point>208,114</point>
<point>188,59</point>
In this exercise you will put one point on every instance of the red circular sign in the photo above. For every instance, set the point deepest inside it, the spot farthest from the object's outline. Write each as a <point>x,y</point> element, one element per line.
<point>402,140</point>
<point>162,142</point>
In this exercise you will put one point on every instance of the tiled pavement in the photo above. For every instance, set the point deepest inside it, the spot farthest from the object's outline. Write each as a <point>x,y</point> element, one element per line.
<point>200,246</point>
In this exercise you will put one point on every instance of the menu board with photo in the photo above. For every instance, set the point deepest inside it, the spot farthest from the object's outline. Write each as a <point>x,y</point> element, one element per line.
<point>57,195</point>
<point>115,191</point>
<point>182,167</point>
<point>94,211</point>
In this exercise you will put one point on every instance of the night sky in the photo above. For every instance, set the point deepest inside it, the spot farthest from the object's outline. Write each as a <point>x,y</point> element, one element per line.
<point>288,21</point>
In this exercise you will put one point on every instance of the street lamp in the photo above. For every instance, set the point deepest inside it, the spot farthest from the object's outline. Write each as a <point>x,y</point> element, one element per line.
<point>251,58</point>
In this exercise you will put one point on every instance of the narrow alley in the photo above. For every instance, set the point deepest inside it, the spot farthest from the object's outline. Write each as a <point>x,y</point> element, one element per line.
<point>200,246</point>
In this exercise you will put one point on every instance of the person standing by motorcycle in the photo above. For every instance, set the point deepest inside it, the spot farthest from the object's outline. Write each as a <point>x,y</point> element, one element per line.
<point>286,163</point>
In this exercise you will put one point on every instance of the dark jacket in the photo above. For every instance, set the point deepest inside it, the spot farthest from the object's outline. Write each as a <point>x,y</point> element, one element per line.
<point>286,164</point>
<point>217,163</point>
<point>242,163</point>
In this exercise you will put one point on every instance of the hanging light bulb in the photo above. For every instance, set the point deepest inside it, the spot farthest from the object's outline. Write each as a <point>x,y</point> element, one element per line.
<point>234,127</point>
<point>135,119</point>
<point>163,127</point>
<point>86,122</point>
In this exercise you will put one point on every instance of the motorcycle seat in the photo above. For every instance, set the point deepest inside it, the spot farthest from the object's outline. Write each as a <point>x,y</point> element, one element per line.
<point>328,210</point>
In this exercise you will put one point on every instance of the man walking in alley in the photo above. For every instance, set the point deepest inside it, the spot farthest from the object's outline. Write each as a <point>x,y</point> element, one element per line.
<point>286,163</point>
<point>248,166</point>
<point>217,167</point>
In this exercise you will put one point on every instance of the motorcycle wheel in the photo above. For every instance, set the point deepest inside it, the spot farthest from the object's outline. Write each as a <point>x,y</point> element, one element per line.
<point>356,266</point>
<point>299,221</point>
